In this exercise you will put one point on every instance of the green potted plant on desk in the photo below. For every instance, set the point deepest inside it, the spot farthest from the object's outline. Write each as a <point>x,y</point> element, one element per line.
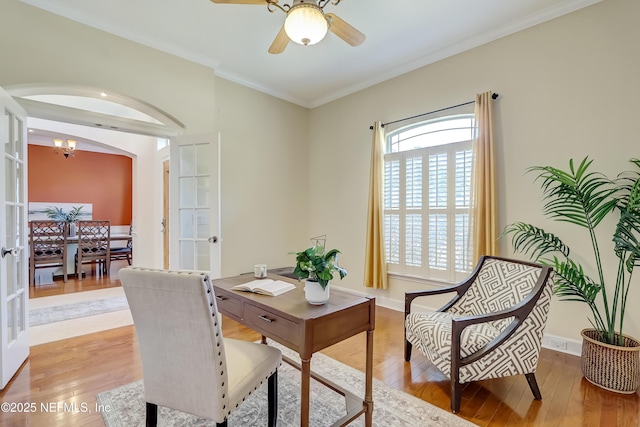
<point>584,198</point>
<point>317,268</point>
<point>70,217</point>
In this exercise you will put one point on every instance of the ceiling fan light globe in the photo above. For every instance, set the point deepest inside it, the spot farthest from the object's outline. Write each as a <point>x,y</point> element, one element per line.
<point>306,24</point>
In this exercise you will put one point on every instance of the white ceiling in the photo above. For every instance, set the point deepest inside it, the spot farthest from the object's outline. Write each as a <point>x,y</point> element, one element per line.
<point>402,35</point>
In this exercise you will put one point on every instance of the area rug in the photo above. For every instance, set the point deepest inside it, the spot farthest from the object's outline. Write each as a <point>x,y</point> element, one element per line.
<point>125,406</point>
<point>60,317</point>
<point>58,313</point>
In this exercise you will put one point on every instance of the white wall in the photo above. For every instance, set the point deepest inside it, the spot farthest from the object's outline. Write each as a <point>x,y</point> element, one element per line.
<point>568,88</point>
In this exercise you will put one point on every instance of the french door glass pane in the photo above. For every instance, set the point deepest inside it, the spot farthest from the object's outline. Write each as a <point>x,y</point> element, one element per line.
<point>203,159</point>
<point>10,243</point>
<point>187,161</point>
<point>186,223</point>
<point>17,133</point>
<point>10,184</point>
<point>11,314</point>
<point>187,192</point>
<point>20,319</point>
<point>202,224</point>
<point>202,249</point>
<point>8,142</point>
<point>202,191</point>
<point>186,255</point>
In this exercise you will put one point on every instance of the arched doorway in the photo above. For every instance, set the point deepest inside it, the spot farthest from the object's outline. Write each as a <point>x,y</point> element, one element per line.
<point>111,123</point>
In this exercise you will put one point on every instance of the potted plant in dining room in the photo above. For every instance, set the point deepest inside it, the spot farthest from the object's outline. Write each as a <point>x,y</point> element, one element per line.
<point>54,212</point>
<point>317,268</point>
<point>581,197</point>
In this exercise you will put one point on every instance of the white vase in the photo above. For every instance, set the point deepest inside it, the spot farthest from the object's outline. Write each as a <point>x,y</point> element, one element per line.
<point>72,229</point>
<point>314,293</point>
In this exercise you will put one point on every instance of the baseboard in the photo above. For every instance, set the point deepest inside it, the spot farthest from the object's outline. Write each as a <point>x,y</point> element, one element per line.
<point>552,342</point>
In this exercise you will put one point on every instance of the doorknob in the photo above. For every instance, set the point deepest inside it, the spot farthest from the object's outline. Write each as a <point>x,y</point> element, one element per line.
<point>213,239</point>
<point>13,251</point>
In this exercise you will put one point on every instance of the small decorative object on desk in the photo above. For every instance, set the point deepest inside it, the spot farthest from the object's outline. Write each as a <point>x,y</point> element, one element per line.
<point>260,271</point>
<point>317,267</point>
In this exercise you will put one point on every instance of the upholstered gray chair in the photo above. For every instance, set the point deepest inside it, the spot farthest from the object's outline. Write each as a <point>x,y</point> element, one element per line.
<point>492,327</point>
<point>187,364</point>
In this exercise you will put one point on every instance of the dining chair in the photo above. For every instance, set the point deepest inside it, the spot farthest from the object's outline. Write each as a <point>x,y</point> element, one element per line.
<point>187,365</point>
<point>93,246</point>
<point>48,246</point>
<point>123,252</point>
<point>492,327</point>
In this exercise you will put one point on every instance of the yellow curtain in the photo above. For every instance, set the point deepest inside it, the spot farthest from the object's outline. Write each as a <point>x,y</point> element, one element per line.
<point>483,218</point>
<point>375,274</point>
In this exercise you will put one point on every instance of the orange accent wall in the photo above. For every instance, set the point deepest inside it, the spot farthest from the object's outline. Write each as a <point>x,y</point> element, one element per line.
<point>103,180</point>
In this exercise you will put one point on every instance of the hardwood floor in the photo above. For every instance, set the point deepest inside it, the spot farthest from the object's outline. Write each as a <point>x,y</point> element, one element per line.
<point>75,370</point>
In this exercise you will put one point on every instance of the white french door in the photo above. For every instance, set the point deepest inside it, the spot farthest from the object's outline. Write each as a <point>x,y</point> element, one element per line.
<point>194,203</point>
<point>14,292</point>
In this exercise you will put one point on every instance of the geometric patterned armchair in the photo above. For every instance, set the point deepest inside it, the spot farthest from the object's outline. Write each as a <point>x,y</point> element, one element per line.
<point>492,327</point>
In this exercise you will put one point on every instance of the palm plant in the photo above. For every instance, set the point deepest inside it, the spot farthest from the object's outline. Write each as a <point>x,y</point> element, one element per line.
<point>57,213</point>
<point>585,198</point>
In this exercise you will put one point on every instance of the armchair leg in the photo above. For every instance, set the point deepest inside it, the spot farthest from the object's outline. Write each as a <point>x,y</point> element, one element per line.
<point>533,385</point>
<point>222,424</point>
<point>152,414</point>
<point>456,396</point>
<point>273,399</point>
<point>407,350</point>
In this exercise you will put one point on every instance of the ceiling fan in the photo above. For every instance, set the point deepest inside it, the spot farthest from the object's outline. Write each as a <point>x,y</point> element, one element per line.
<point>306,23</point>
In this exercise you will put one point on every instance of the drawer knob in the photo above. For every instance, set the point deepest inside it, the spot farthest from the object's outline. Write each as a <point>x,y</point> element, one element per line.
<point>266,319</point>
<point>219,298</point>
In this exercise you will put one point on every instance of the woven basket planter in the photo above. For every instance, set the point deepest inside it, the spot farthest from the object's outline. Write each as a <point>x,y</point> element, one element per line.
<point>611,367</point>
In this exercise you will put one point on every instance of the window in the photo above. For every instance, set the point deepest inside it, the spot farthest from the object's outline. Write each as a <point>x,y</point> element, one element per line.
<point>427,198</point>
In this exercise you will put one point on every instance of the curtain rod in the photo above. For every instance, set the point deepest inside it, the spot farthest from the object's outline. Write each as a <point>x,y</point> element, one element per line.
<point>493,96</point>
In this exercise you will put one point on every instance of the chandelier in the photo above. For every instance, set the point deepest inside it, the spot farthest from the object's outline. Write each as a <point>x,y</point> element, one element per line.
<point>67,147</point>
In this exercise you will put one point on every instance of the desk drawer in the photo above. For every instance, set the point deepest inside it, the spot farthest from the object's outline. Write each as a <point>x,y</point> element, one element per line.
<point>271,324</point>
<point>229,305</point>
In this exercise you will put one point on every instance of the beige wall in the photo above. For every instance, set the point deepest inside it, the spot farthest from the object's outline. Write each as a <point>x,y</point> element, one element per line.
<point>264,177</point>
<point>40,47</point>
<point>568,88</point>
<point>264,139</point>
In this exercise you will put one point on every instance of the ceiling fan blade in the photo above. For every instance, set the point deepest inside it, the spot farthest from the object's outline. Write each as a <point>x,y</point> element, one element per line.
<point>263,2</point>
<point>280,43</point>
<point>346,32</point>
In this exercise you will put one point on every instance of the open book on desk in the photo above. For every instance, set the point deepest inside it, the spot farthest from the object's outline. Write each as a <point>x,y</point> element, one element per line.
<point>265,287</point>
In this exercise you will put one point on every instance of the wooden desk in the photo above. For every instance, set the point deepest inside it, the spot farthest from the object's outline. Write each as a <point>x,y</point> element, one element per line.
<point>291,321</point>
